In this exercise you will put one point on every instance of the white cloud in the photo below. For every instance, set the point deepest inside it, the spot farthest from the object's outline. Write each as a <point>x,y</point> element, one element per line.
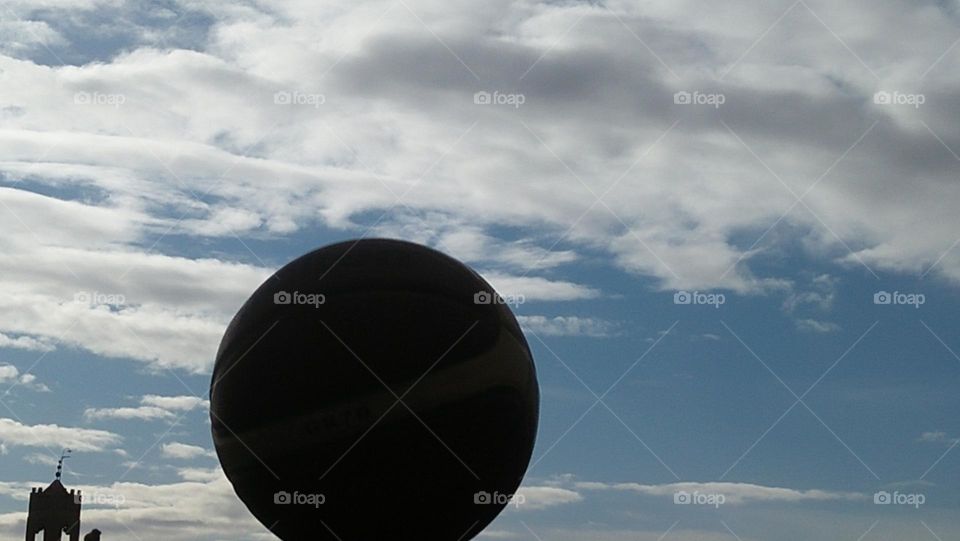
<point>40,458</point>
<point>142,413</point>
<point>16,434</point>
<point>472,244</point>
<point>152,408</point>
<point>152,334</point>
<point>20,36</point>
<point>817,326</point>
<point>8,373</point>
<point>820,294</point>
<point>176,403</point>
<point>686,215</point>
<point>399,119</point>
<point>498,534</point>
<point>535,288</point>
<point>11,377</point>
<point>734,493</point>
<point>567,326</point>
<point>201,475</point>
<point>937,437</point>
<point>542,497</point>
<point>615,534</point>
<point>30,382</point>
<point>183,451</point>
<point>28,343</point>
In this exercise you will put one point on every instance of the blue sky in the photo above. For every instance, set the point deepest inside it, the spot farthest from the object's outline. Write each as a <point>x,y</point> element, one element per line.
<point>789,168</point>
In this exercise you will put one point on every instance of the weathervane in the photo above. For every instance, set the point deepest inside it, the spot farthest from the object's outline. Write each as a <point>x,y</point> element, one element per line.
<point>63,456</point>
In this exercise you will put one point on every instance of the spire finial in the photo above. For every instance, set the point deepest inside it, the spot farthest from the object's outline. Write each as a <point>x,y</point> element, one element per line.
<point>63,456</point>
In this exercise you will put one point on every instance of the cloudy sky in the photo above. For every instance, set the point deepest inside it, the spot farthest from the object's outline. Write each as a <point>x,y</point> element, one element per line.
<point>733,227</point>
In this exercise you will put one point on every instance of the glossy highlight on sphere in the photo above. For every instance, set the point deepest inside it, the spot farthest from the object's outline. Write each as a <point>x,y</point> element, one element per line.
<point>374,389</point>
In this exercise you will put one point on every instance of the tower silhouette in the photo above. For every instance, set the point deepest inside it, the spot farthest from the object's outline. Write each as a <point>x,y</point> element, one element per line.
<point>53,510</point>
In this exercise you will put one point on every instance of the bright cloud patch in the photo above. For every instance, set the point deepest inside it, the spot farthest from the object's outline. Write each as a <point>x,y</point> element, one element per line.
<point>567,326</point>
<point>733,493</point>
<point>153,408</point>
<point>16,434</point>
<point>183,451</point>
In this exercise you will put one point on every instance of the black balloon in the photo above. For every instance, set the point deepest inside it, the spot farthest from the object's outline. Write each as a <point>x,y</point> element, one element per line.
<point>374,389</point>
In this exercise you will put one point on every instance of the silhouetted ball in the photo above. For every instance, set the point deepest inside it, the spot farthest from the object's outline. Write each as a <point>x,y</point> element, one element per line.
<point>374,390</point>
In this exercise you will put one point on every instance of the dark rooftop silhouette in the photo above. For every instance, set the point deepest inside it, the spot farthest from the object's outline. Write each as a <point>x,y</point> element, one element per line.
<point>56,511</point>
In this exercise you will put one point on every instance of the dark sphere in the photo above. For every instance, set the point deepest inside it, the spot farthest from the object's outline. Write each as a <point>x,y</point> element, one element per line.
<point>374,389</point>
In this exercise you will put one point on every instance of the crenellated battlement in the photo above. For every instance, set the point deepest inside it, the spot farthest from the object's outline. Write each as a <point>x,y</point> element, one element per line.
<point>55,511</point>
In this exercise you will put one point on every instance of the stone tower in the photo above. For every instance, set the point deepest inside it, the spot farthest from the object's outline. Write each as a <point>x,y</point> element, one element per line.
<point>54,511</point>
